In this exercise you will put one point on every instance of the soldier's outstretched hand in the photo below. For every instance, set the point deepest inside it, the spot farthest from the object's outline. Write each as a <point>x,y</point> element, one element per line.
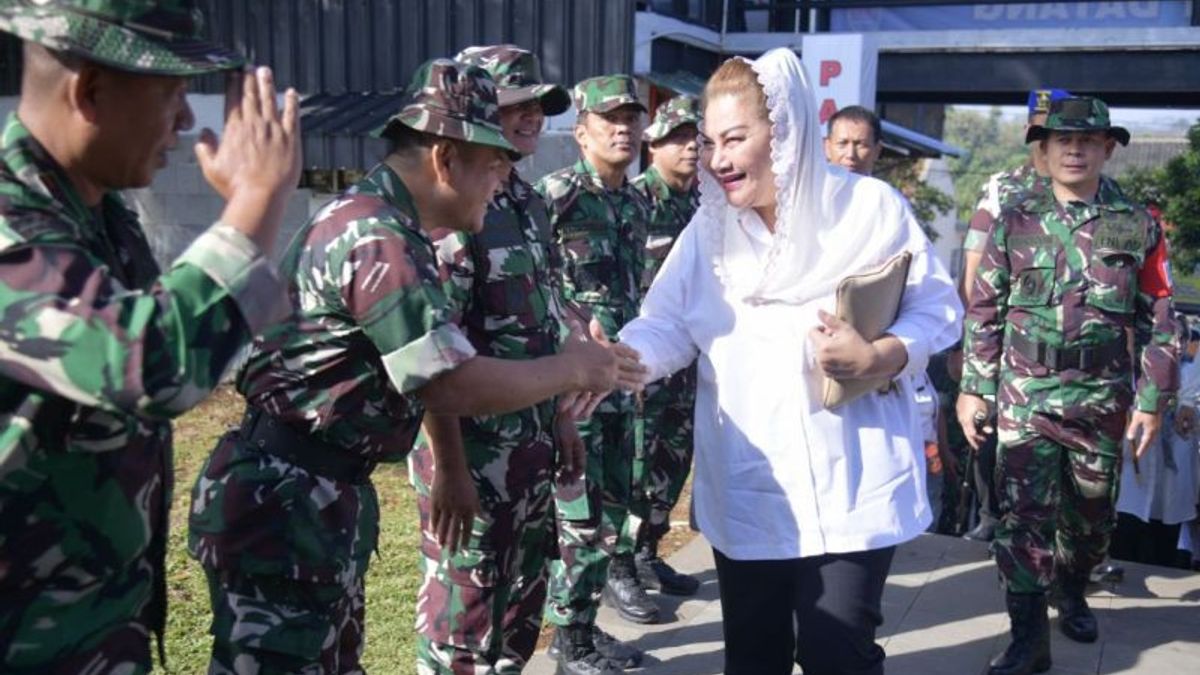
<point>1143,429</point>
<point>256,165</point>
<point>631,374</point>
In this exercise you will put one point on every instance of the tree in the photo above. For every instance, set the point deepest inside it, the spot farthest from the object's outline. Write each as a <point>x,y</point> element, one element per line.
<point>992,144</point>
<point>1175,188</point>
<point>927,201</point>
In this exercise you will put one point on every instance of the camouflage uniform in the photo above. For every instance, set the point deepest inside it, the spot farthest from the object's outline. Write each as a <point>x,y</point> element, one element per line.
<point>480,608</point>
<point>284,516</point>
<point>664,455</point>
<point>99,350</point>
<point>1005,190</point>
<point>1058,288</point>
<point>601,234</point>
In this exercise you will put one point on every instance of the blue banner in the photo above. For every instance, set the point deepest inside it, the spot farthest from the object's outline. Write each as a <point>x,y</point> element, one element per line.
<point>1163,13</point>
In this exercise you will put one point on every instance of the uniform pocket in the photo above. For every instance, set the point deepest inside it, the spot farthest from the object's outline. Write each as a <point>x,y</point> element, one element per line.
<point>1112,281</point>
<point>457,600</point>
<point>590,261</point>
<point>1032,287</point>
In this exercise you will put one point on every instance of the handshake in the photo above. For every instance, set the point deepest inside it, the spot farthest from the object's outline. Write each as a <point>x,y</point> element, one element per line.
<point>600,366</point>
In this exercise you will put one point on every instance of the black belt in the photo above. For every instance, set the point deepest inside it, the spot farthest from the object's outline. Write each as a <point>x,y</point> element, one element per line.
<point>272,436</point>
<point>1083,357</point>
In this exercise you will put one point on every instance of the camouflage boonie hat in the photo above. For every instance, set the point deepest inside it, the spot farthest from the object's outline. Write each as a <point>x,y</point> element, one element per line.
<point>605,93</point>
<point>453,100</point>
<point>1078,113</point>
<point>671,115</point>
<point>156,37</point>
<point>518,76</point>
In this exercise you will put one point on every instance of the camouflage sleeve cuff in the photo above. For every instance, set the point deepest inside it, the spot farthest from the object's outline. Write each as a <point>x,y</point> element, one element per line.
<point>232,260</point>
<point>979,386</point>
<point>975,241</point>
<point>1154,401</point>
<point>415,364</point>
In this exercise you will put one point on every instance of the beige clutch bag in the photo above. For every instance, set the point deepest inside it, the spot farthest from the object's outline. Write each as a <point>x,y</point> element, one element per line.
<point>869,302</point>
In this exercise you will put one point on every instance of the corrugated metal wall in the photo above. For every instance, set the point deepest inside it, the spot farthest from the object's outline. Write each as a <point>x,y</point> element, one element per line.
<point>332,50</point>
<point>326,48</point>
<point>336,46</point>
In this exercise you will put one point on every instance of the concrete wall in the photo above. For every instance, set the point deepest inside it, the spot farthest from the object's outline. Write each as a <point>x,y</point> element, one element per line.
<point>180,205</point>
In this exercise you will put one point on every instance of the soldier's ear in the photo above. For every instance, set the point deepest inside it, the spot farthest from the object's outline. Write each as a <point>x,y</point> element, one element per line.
<point>580,133</point>
<point>1110,144</point>
<point>82,91</point>
<point>443,155</point>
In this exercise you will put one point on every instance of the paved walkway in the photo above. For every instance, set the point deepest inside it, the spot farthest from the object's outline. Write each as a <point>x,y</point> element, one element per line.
<point>944,615</point>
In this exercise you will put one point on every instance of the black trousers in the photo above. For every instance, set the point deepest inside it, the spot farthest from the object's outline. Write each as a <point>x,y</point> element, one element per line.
<point>1152,543</point>
<point>820,612</point>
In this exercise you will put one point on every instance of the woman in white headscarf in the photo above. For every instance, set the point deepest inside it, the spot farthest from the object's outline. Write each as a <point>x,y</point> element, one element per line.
<point>803,506</point>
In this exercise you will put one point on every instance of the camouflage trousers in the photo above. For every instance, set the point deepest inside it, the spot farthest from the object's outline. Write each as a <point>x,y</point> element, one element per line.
<point>121,651</point>
<point>479,609</point>
<point>272,625</point>
<point>589,526</point>
<point>1057,480</point>
<point>662,458</point>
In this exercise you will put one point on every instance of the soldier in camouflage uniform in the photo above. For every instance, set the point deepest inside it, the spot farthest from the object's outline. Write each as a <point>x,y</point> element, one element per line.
<point>284,516</point>
<point>599,223</point>
<point>1002,190</point>
<point>101,348</point>
<point>664,451</point>
<point>480,607</point>
<point>1067,275</point>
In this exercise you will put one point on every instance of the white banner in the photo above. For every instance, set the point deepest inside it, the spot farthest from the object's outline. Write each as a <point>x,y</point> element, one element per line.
<point>842,69</point>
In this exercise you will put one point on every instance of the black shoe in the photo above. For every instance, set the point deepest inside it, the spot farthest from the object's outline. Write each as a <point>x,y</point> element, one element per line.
<point>1107,572</point>
<point>624,593</point>
<point>620,653</point>
<point>1075,618</point>
<point>655,574</point>
<point>1029,651</point>
<point>984,531</point>
<point>577,654</point>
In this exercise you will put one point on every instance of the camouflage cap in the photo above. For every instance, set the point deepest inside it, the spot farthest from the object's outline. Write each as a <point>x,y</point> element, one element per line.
<point>605,93</point>
<point>1077,113</point>
<point>453,100</point>
<point>518,76</point>
<point>671,115</point>
<point>158,37</point>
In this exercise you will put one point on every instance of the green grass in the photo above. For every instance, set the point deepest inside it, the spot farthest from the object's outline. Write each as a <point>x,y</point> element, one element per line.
<point>391,582</point>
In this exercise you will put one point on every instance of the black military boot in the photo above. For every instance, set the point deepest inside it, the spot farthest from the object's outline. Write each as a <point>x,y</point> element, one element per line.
<point>576,653</point>
<point>620,653</point>
<point>1075,618</point>
<point>1029,651</point>
<point>624,593</point>
<point>655,574</point>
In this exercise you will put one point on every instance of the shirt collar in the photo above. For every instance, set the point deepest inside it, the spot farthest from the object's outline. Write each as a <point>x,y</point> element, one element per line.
<point>1109,197</point>
<point>384,182</point>
<point>591,179</point>
<point>46,185</point>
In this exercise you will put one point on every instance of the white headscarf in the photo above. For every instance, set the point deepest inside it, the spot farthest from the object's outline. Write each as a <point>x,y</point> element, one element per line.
<point>829,223</point>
